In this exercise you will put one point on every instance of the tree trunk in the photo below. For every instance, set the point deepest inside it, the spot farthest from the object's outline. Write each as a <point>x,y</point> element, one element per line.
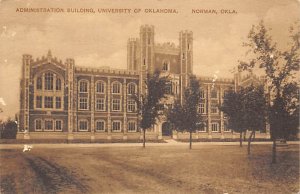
<point>274,151</point>
<point>245,133</point>
<point>241,139</point>
<point>190,140</point>
<point>249,141</point>
<point>144,138</point>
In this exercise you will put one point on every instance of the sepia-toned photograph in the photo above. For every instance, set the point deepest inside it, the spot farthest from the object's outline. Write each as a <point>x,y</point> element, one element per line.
<point>149,96</point>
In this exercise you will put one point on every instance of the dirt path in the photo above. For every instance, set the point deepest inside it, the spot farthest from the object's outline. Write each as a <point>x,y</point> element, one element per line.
<point>39,175</point>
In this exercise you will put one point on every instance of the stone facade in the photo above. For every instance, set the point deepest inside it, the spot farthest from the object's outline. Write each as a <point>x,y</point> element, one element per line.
<point>59,100</point>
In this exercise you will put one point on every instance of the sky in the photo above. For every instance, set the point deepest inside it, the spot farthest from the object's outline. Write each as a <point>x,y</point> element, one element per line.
<point>95,39</point>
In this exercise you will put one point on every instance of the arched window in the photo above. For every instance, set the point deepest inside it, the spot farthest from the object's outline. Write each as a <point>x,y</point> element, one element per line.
<point>100,87</point>
<point>49,81</point>
<point>116,88</point>
<point>165,66</point>
<point>39,83</point>
<point>83,86</point>
<point>131,88</point>
<point>58,84</point>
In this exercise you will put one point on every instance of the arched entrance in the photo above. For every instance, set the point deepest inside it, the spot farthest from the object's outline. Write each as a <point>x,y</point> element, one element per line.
<point>166,129</point>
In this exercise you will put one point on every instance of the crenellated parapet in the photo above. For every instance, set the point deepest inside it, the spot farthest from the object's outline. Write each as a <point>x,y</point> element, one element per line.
<point>105,70</point>
<point>167,48</point>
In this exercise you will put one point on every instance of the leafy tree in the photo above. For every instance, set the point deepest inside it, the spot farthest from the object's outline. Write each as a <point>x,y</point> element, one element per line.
<point>8,129</point>
<point>245,110</point>
<point>149,102</point>
<point>280,68</point>
<point>232,107</point>
<point>185,116</point>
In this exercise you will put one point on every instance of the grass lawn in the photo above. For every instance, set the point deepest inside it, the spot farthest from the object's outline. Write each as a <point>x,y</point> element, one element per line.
<point>205,169</point>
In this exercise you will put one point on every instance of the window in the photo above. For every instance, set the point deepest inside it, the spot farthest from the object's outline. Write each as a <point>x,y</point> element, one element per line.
<point>58,102</point>
<point>202,127</point>
<point>214,108</point>
<point>202,94</point>
<point>38,125</point>
<point>48,102</point>
<point>131,88</point>
<point>83,87</point>
<point>202,108</point>
<point>58,125</point>
<point>116,126</point>
<point>144,63</point>
<point>83,125</point>
<point>116,105</point>
<point>215,127</point>
<point>226,129</point>
<point>39,83</point>
<point>39,101</point>
<point>116,88</point>
<point>49,81</point>
<point>165,66</point>
<point>131,126</point>
<point>214,93</point>
<point>100,87</point>
<point>83,103</point>
<point>58,84</point>
<point>131,105</point>
<point>49,125</point>
<point>168,88</point>
<point>100,104</point>
<point>100,125</point>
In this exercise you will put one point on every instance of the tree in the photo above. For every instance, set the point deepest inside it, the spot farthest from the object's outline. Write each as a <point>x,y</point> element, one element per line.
<point>232,107</point>
<point>185,116</point>
<point>245,110</point>
<point>254,110</point>
<point>280,68</point>
<point>8,129</point>
<point>149,102</point>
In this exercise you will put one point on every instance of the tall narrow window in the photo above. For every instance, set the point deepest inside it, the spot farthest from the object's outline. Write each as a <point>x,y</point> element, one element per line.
<point>131,89</point>
<point>214,108</point>
<point>165,66</point>
<point>116,105</point>
<point>58,125</point>
<point>116,88</point>
<point>48,125</point>
<point>214,93</point>
<point>83,87</point>
<point>131,126</point>
<point>202,94</point>
<point>202,108</point>
<point>48,102</point>
<point>100,125</point>
<point>100,87</point>
<point>83,125</point>
<point>58,102</point>
<point>131,105</point>
<point>215,127</point>
<point>39,83</point>
<point>58,84</point>
<point>39,101</point>
<point>38,125</point>
<point>100,104</point>
<point>83,103</point>
<point>116,126</point>
<point>49,81</point>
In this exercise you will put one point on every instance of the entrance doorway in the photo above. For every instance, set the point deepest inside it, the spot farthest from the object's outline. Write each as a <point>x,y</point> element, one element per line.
<point>166,129</point>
